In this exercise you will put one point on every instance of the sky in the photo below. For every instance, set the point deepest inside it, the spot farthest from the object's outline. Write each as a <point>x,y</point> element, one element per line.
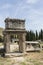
<point>30,10</point>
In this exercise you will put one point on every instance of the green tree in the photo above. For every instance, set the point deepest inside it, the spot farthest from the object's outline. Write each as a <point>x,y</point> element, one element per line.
<point>36,35</point>
<point>27,36</point>
<point>1,38</point>
<point>41,35</point>
<point>30,36</point>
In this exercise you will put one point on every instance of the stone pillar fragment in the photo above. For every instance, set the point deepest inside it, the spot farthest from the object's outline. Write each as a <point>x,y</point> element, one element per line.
<point>22,42</point>
<point>7,43</point>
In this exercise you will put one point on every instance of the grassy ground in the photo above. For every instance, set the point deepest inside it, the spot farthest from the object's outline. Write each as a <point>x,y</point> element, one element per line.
<point>36,58</point>
<point>1,44</point>
<point>31,58</point>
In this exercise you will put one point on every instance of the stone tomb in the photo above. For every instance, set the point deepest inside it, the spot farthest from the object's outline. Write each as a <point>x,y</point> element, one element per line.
<point>14,32</point>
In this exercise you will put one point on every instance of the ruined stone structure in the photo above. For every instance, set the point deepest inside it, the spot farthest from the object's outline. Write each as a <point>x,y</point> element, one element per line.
<point>14,28</point>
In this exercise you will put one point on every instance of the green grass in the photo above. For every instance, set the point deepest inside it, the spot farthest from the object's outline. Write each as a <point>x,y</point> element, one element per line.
<point>23,63</point>
<point>33,58</point>
<point>6,61</point>
<point>1,44</point>
<point>1,31</point>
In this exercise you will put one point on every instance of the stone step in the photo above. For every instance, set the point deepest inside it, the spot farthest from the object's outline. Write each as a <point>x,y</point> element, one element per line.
<point>14,54</point>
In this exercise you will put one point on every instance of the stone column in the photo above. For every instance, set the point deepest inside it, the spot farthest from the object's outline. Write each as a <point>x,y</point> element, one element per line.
<point>7,43</point>
<point>22,44</point>
<point>4,42</point>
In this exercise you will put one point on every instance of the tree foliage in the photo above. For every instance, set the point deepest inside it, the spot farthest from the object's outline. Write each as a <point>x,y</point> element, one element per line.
<point>31,36</point>
<point>36,35</point>
<point>1,38</point>
<point>41,35</point>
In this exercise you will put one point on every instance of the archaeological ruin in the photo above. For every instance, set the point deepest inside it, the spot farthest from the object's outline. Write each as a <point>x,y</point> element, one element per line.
<point>14,32</point>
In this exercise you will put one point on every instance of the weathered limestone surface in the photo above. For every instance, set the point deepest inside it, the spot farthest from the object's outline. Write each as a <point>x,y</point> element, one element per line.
<point>7,43</point>
<point>19,31</point>
<point>22,42</point>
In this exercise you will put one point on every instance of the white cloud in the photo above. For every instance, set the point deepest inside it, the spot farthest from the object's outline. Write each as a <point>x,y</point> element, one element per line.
<point>35,20</point>
<point>33,16</point>
<point>31,1</point>
<point>1,21</point>
<point>5,6</point>
<point>17,9</point>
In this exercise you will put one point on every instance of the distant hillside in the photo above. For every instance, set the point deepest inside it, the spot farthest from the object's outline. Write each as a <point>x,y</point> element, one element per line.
<point>1,31</point>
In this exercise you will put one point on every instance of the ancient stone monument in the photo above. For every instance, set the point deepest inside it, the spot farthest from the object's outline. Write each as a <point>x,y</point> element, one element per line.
<point>14,28</point>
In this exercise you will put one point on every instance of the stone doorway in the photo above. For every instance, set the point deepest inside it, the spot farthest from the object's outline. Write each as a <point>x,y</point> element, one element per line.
<point>14,46</point>
<point>9,41</point>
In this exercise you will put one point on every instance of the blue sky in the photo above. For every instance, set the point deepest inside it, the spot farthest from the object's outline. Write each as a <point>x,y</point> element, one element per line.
<point>30,10</point>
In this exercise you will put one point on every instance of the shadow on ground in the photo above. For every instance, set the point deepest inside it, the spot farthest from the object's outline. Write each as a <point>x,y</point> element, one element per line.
<point>2,52</point>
